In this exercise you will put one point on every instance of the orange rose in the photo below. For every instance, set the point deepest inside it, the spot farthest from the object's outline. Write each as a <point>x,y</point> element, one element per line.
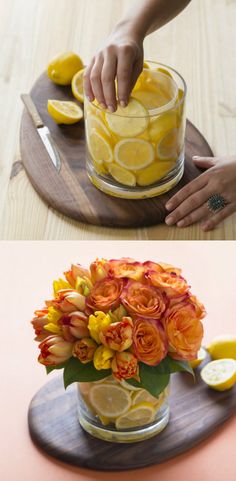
<point>68,300</point>
<point>184,331</point>
<point>124,365</point>
<point>143,300</point>
<point>168,282</point>
<point>84,350</point>
<point>105,294</point>
<point>54,350</point>
<point>127,267</point>
<point>39,321</point>
<point>118,335</point>
<point>74,325</point>
<point>149,341</point>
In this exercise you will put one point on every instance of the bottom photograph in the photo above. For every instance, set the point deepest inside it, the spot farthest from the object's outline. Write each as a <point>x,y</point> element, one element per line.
<point>121,356</point>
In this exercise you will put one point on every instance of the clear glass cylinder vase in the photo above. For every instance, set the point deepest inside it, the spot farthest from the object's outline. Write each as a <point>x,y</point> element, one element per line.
<point>118,412</point>
<point>138,152</point>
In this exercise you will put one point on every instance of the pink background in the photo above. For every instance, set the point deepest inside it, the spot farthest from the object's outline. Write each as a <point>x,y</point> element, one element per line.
<point>27,269</point>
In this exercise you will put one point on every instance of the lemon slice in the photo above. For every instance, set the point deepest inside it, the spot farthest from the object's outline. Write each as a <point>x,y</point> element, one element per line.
<point>64,112</point>
<point>99,148</point>
<point>153,173</point>
<point>223,346</point>
<point>139,415</point>
<point>109,400</point>
<point>161,125</point>
<point>151,100</point>
<point>94,122</point>
<point>122,175</point>
<point>128,386</point>
<point>77,85</point>
<point>163,70</point>
<point>63,67</point>
<point>145,396</point>
<point>134,154</point>
<point>201,355</point>
<point>220,374</point>
<point>167,148</point>
<point>129,121</point>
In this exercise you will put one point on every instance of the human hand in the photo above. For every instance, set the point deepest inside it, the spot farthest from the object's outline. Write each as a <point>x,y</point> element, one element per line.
<point>189,205</point>
<point>120,57</point>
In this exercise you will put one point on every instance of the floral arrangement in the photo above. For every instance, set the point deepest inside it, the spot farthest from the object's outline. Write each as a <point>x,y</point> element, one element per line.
<point>136,321</point>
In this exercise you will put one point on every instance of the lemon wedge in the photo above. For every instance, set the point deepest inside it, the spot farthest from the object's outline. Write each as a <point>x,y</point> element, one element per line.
<point>220,375</point>
<point>138,415</point>
<point>99,148</point>
<point>153,173</point>
<point>122,175</point>
<point>129,121</point>
<point>77,85</point>
<point>134,154</point>
<point>223,346</point>
<point>167,148</point>
<point>201,355</point>
<point>63,67</point>
<point>64,112</point>
<point>109,400</point>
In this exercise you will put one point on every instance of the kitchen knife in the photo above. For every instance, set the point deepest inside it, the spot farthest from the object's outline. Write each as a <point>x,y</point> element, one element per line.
<point>43,131</point>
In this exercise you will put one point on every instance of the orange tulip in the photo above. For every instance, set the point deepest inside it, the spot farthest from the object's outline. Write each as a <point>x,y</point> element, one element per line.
<point>99,270</point>
<point>124,365</point>
<point>105,294</point>
<point>149,341</point>
<point>39,321</point>
<point>68,300</point>
<point>143,300</point>
<point>54,350</point>
<point>84,350</point>
<point>118,335</point>
<point>74,325</point>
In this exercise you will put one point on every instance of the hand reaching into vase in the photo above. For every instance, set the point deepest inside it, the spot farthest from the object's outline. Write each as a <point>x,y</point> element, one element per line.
<point>121,56</point>
<point>191,204</point>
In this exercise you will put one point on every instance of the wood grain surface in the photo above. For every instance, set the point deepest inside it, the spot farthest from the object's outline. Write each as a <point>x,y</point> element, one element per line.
<point>199,43</point>
<point>196,411</point>
<point>70,190</point>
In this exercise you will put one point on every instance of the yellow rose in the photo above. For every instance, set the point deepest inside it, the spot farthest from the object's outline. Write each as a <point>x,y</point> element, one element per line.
<point>98,321</point>
<point>103,357</point>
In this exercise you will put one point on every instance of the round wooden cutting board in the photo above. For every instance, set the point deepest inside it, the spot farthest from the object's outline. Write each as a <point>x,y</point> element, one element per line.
<point>70,191</point>
<point>196,411</point>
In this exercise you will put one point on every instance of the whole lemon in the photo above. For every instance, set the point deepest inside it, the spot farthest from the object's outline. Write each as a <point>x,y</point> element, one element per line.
<point>63,67</point>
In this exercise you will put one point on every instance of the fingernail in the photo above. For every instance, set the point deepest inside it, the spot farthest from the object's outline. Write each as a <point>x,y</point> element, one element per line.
<point>111,108</point>
<point>123,103</point>
<point>180,223</point>
<point>169,206</point>
<point>169,220</point>
<point>103,106</point>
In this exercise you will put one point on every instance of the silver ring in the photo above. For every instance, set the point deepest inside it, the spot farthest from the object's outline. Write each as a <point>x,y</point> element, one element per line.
<point>216,202</point>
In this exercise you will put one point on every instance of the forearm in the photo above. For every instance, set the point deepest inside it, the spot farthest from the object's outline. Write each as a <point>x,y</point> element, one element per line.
<point>146,16</point>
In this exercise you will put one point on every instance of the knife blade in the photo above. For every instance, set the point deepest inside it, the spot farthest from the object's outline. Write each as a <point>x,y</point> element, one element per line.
<point>43,131</point>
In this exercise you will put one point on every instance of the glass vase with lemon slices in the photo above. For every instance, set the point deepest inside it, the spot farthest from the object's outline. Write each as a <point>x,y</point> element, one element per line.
<point>138,151</point>
<point>119,412</point>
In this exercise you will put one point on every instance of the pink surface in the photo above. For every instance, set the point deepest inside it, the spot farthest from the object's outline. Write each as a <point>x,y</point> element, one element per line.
<point>27,269</point>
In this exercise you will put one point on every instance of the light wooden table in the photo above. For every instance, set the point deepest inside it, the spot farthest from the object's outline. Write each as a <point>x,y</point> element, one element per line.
<point>200,43</point>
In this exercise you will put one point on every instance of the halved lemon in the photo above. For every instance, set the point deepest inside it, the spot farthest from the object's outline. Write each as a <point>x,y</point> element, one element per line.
<point>167,148</point>
<point>121,175</point>
<point>134,154</point>
<point>223,346</point>
<point>129,121</point>
<point>99,148</point>
<point>63,67</point>
<point>77,85</point>
<point>162,124</point>
<point>94,122</point>
<point>201,355</point>
<point>153,173</point>
<point>64,112</point>
<point>220,375</point>
<point>109,400</point>
<point>138,415</point>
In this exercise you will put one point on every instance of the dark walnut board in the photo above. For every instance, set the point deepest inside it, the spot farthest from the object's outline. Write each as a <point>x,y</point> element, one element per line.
<point>70,191</point>
<point>196,412</point>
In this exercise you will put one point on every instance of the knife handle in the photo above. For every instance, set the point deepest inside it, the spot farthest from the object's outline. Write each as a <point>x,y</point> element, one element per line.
<point>30,106</point>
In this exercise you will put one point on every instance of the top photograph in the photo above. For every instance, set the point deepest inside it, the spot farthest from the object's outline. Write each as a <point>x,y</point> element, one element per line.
<point>118,120</point>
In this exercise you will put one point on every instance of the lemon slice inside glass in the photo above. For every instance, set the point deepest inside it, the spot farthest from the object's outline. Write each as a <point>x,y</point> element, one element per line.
<point>134,154</point>
<point>99,148</point>
<point>122,175</point>
<point>145,396</point>
<point>153,173</point>
<point>129,121</point>
<point>94,122</point>
<point>167,148</point>
<point>64,112</point>
<point>220,375</point>
<point>77,85</point>
<point>139,415</point>
<point>109,400</point>
<point>162,124</point>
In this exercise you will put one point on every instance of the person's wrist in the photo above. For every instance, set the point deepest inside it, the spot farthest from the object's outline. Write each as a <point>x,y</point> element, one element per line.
<point>131,29</point>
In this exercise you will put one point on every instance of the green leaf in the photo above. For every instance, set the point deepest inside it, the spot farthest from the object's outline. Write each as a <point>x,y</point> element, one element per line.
<point>151,379</point>
<point>176,366</point>
<point>75,371</point>
<point>52,368</point>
